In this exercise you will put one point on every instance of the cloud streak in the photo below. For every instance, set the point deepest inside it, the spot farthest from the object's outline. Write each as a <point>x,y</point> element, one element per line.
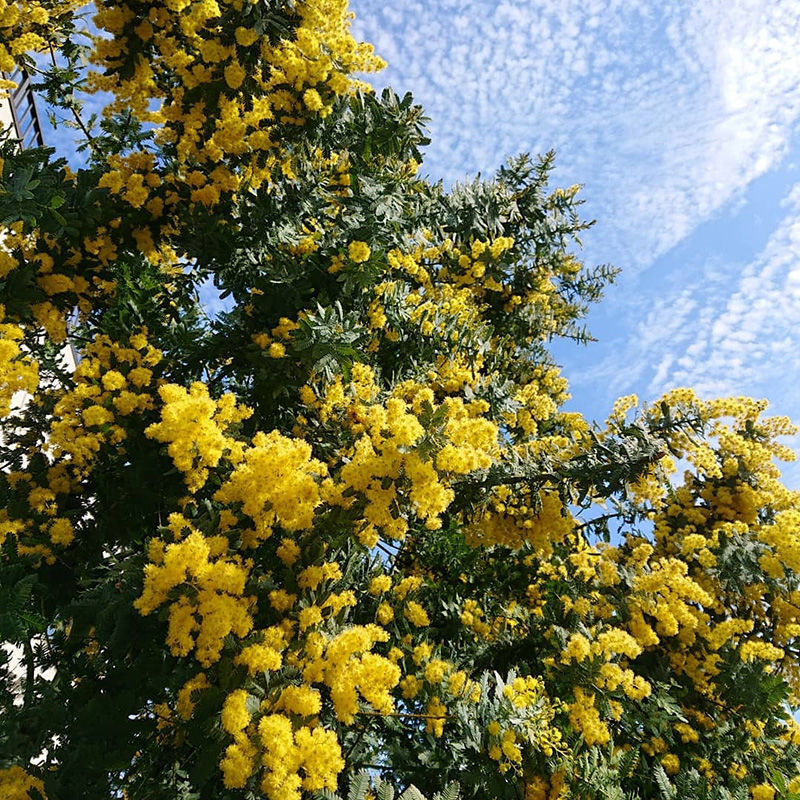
<point>729,333</point>
<point>667,111</point>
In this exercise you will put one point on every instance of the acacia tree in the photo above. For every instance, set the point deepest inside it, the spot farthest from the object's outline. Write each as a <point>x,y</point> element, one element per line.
<point>345,530</point>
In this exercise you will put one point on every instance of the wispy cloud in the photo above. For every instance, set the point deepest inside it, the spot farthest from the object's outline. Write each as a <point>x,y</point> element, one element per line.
<point>731,331</point>
<point>666,110</point>
<point>720,327</point>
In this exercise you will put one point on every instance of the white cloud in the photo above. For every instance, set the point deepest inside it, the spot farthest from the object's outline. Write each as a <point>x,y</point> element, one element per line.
<point>724,329</point>
<point>667,110</point>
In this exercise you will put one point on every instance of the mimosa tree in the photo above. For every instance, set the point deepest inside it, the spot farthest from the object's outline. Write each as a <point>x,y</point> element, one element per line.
<point>345,530</point>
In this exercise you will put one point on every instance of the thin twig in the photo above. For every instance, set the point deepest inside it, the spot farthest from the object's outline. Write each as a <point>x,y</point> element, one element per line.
<point>400,714</point>
<point>30,671</point>
<point>72,108</point>
<point>596,520</point>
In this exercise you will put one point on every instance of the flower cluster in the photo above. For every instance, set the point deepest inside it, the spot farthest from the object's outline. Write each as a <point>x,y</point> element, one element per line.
<point>112,384</point>
<point>227,83</point>
<point>26,28</point>
<point>211,602</point>
<point>18,373</point>
<point>275,483</point>
<point>194,426</point>
<point>63,272</point>
<point>523,720</point>
<point>15,784</point>
<point>405,452</point>
<point>514,518</point>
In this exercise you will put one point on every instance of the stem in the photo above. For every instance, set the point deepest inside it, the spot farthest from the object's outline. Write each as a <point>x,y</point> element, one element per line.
<point>595,520</point>
<point>387,550</point>
<point>75,114</point>
<point>409,716</point>
<point>355,743</point>
<point>30,672</point>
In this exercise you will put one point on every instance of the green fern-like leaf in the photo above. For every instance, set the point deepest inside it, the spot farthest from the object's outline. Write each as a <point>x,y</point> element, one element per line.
<point>665,787</point>
<point>451,792</point>
<point>327,794</point>
<point>359,786</point>
<point>385,791</point>
<point>412,793</point>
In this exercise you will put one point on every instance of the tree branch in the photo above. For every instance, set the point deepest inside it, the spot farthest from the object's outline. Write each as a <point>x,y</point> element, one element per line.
<point>75,114</point>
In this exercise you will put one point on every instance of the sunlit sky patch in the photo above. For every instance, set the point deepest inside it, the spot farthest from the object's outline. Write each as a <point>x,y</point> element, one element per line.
<point>680,118</point>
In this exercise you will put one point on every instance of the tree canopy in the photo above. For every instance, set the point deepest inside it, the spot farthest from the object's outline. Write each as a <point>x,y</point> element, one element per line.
<point>344,530</point>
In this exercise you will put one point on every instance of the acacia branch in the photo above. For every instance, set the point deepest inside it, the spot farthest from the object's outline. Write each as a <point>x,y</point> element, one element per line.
<point>86,132</point>
<point>30,672</point>
<point>404,715</point>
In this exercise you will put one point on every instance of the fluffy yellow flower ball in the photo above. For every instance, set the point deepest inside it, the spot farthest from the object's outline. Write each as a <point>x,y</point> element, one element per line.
<point>358,252</point>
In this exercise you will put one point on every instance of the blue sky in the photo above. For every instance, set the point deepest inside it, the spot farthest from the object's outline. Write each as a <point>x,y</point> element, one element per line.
<point>680,117</point>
